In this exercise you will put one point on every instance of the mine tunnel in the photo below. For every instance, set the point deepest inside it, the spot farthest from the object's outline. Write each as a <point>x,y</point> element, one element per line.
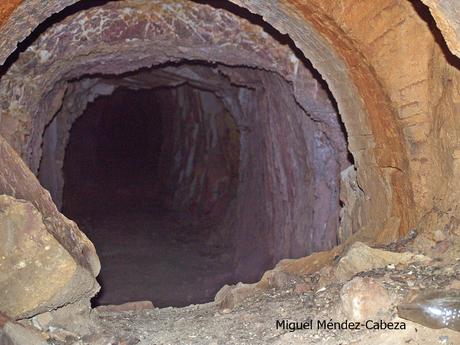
<point>149,175</point>
<point>162,150</point>
<point>188,167</point>
<point>171,178</point>
<point>190,171</point>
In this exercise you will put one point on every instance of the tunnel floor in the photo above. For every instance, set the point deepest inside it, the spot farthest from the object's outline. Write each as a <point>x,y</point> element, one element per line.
<point>253,319</point>
<point>153,254</point>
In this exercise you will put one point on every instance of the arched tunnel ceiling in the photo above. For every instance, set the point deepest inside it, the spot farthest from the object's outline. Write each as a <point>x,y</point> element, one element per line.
<point>27,16</point>
<point>383,94</point>
<point>365,80</point>
<point>375,138</point>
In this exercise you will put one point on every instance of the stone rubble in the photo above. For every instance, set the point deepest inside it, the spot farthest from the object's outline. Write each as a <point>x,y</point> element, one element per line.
<point>13,333</point>
<point>247,313</point>
<point>360,257</point>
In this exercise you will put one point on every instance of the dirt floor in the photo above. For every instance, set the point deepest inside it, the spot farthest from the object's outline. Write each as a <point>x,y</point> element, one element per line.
<point>257,317</point>
<point>149,253</point>
<point>254,320</point>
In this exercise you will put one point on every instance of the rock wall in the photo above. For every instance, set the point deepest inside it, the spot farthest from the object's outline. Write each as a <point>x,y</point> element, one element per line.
<point>200,155</point>
<point>446,13</point>
<point>391,83</point>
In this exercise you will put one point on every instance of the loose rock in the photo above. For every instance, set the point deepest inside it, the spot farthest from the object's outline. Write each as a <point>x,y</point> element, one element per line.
<point>361,257</point>
<point>229,296</point>
<point>12,333</point>
<point>364,299</point>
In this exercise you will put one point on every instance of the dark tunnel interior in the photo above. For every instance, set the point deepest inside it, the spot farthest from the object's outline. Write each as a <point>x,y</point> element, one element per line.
<point>185,171</point>
<point>186,182</point>
<point>121,188</point>
<point>191,167</point>
<point>114,145</point>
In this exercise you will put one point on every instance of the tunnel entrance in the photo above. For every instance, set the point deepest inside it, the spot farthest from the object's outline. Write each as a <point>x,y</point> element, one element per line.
<point>222,153</point>
<point>194,175</point>
<point>188,176</point>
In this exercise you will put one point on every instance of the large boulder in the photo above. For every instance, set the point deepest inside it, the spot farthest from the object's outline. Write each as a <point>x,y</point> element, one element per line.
<point>17,180</point>
<point>36,272</point>
<point>45,260</point>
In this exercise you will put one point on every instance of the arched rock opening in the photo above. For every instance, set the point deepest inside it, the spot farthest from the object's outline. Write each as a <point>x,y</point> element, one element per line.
<point>253,151</point>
